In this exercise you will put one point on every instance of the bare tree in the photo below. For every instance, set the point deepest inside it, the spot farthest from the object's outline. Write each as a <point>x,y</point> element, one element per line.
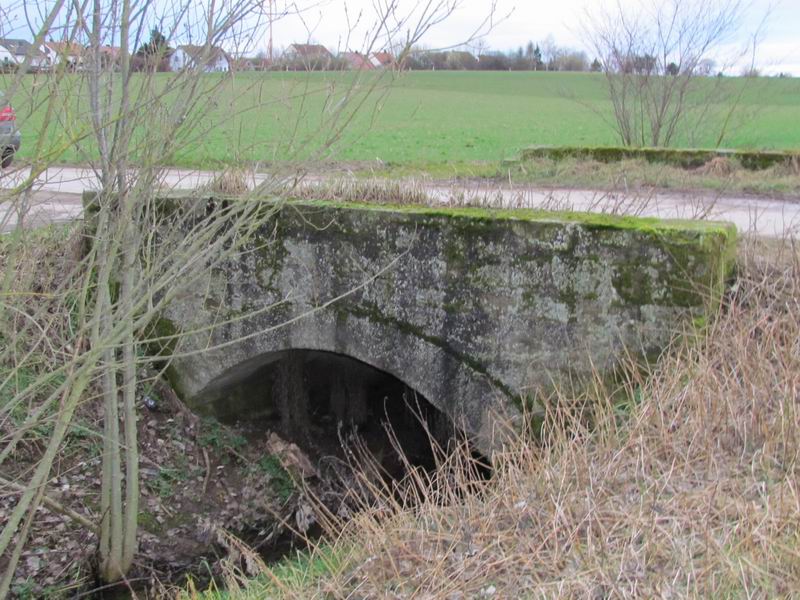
<point>652,58</point>
<point>127,125</point>
<point>549,51</point>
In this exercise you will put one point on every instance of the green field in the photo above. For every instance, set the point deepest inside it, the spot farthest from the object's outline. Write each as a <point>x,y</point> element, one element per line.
<point>425,118</point>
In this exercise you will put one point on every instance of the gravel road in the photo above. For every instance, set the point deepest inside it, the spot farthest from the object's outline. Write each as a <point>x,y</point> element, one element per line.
<point>57,199</point>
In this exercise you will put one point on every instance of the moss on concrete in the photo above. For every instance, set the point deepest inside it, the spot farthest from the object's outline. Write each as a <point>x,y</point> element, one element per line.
<point>687,243</point>
<point>691,158</point>
<point>593,221</point>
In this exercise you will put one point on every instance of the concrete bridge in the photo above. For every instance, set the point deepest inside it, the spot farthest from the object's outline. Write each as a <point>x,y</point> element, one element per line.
<point>474,309</point>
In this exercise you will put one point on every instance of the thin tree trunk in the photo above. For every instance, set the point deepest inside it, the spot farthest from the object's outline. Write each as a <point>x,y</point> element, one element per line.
<point>129,400</point>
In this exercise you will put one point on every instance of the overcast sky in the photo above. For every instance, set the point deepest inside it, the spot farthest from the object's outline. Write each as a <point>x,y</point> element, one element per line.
<point>779,49</point>
<point>516,22</point>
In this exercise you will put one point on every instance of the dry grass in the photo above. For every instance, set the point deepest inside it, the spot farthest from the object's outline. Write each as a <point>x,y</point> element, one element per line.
<point>721,175</point>
<point>416,192</point>
<point>373,191</point>
<point>36,304</point>
<point>719,166</point>
<point>691,490</point>
<point>230,182</point>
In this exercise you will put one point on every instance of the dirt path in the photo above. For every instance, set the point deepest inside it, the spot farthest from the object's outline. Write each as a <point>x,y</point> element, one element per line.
<point>58,199</point>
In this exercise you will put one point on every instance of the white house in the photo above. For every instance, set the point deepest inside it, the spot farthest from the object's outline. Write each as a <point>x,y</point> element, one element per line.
<point>6,58</point>
<point>212,59</point>
<point>49,56</point>
<point>70,53</point>
<point>20,50</point>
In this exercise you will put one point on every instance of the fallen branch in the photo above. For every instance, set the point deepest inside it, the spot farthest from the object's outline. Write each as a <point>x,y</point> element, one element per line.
<point>56,507</point>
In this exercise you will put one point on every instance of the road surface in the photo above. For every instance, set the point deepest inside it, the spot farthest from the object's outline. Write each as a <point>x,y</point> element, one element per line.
<point>57,199</point>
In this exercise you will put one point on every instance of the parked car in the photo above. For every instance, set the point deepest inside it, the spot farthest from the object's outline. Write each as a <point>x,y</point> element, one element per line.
<point>9,133</point>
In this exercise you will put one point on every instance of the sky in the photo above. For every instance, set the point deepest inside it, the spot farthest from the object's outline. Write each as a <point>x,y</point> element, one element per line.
<point>518,21</point>
<point>514,23</point>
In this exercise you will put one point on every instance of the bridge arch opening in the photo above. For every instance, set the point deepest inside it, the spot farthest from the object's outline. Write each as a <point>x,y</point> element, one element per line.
<point>318,399</point>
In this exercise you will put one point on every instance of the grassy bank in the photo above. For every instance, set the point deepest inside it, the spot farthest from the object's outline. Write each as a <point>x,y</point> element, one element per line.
<point>422,117</point>
<point>689,489</point>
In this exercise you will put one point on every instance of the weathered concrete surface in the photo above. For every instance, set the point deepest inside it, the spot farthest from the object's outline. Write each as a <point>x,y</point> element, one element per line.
<point>472,308</point>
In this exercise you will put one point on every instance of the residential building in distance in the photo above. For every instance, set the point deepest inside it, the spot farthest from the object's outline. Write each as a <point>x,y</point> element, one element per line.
<point>67,53</point>
<point>212,59</point>
<point>382,60</point>
<point>308,55</point>
<point>19,49</point>
<point>7,60</point>
<point>357,62</point>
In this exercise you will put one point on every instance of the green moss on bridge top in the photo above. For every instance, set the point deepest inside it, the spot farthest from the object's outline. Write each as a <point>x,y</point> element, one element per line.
<point>592,220</point>
<point>687,242</point>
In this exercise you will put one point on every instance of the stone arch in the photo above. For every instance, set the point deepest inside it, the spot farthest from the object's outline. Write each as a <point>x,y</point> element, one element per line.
<point>446,379</point>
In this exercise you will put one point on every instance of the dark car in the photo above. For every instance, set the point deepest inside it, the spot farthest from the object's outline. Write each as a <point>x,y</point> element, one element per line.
<point>9,134</point>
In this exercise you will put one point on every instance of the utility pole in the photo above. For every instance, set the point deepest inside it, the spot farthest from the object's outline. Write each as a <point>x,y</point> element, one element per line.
<point>270,3</point>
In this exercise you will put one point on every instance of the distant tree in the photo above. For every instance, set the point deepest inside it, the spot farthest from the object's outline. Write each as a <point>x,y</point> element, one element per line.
<point>493,61</point>
<point>596,66</point>
<point>438,60</point>
<point>418,61</point>
<point>517,60</point>
<point>637,64</point>
<point>461,61</point>
<point>570,60</point>
<point>154,54</point>
<point>537,59</point>
<point>706,67</point>
<point>157,45</point>
<point>646,64</point>
<point>534,56</point>
<point>481,47</point>
<point>673,69</point>
<point>549,52</point>
<point>637,44</point>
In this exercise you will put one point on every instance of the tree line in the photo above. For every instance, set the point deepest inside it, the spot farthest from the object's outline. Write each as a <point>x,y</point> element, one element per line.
<point>532,57</point>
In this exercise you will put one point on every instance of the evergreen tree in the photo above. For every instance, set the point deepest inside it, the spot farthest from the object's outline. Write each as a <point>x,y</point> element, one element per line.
<point>157,46</point>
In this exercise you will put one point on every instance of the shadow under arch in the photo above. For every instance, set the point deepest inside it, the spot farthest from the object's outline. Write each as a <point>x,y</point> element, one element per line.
<point>341,396</point>
<point>448,380</point>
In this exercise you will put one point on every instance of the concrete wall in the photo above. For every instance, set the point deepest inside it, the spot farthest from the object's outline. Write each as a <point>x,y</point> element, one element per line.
<point>472,308</point>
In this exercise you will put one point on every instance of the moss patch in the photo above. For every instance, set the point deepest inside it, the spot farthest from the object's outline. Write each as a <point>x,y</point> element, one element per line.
<point>691,158</point>
<point>591,220</point>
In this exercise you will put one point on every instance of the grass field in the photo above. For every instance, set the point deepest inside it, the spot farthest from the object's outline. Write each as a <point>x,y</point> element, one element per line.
<point>425,118</point>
